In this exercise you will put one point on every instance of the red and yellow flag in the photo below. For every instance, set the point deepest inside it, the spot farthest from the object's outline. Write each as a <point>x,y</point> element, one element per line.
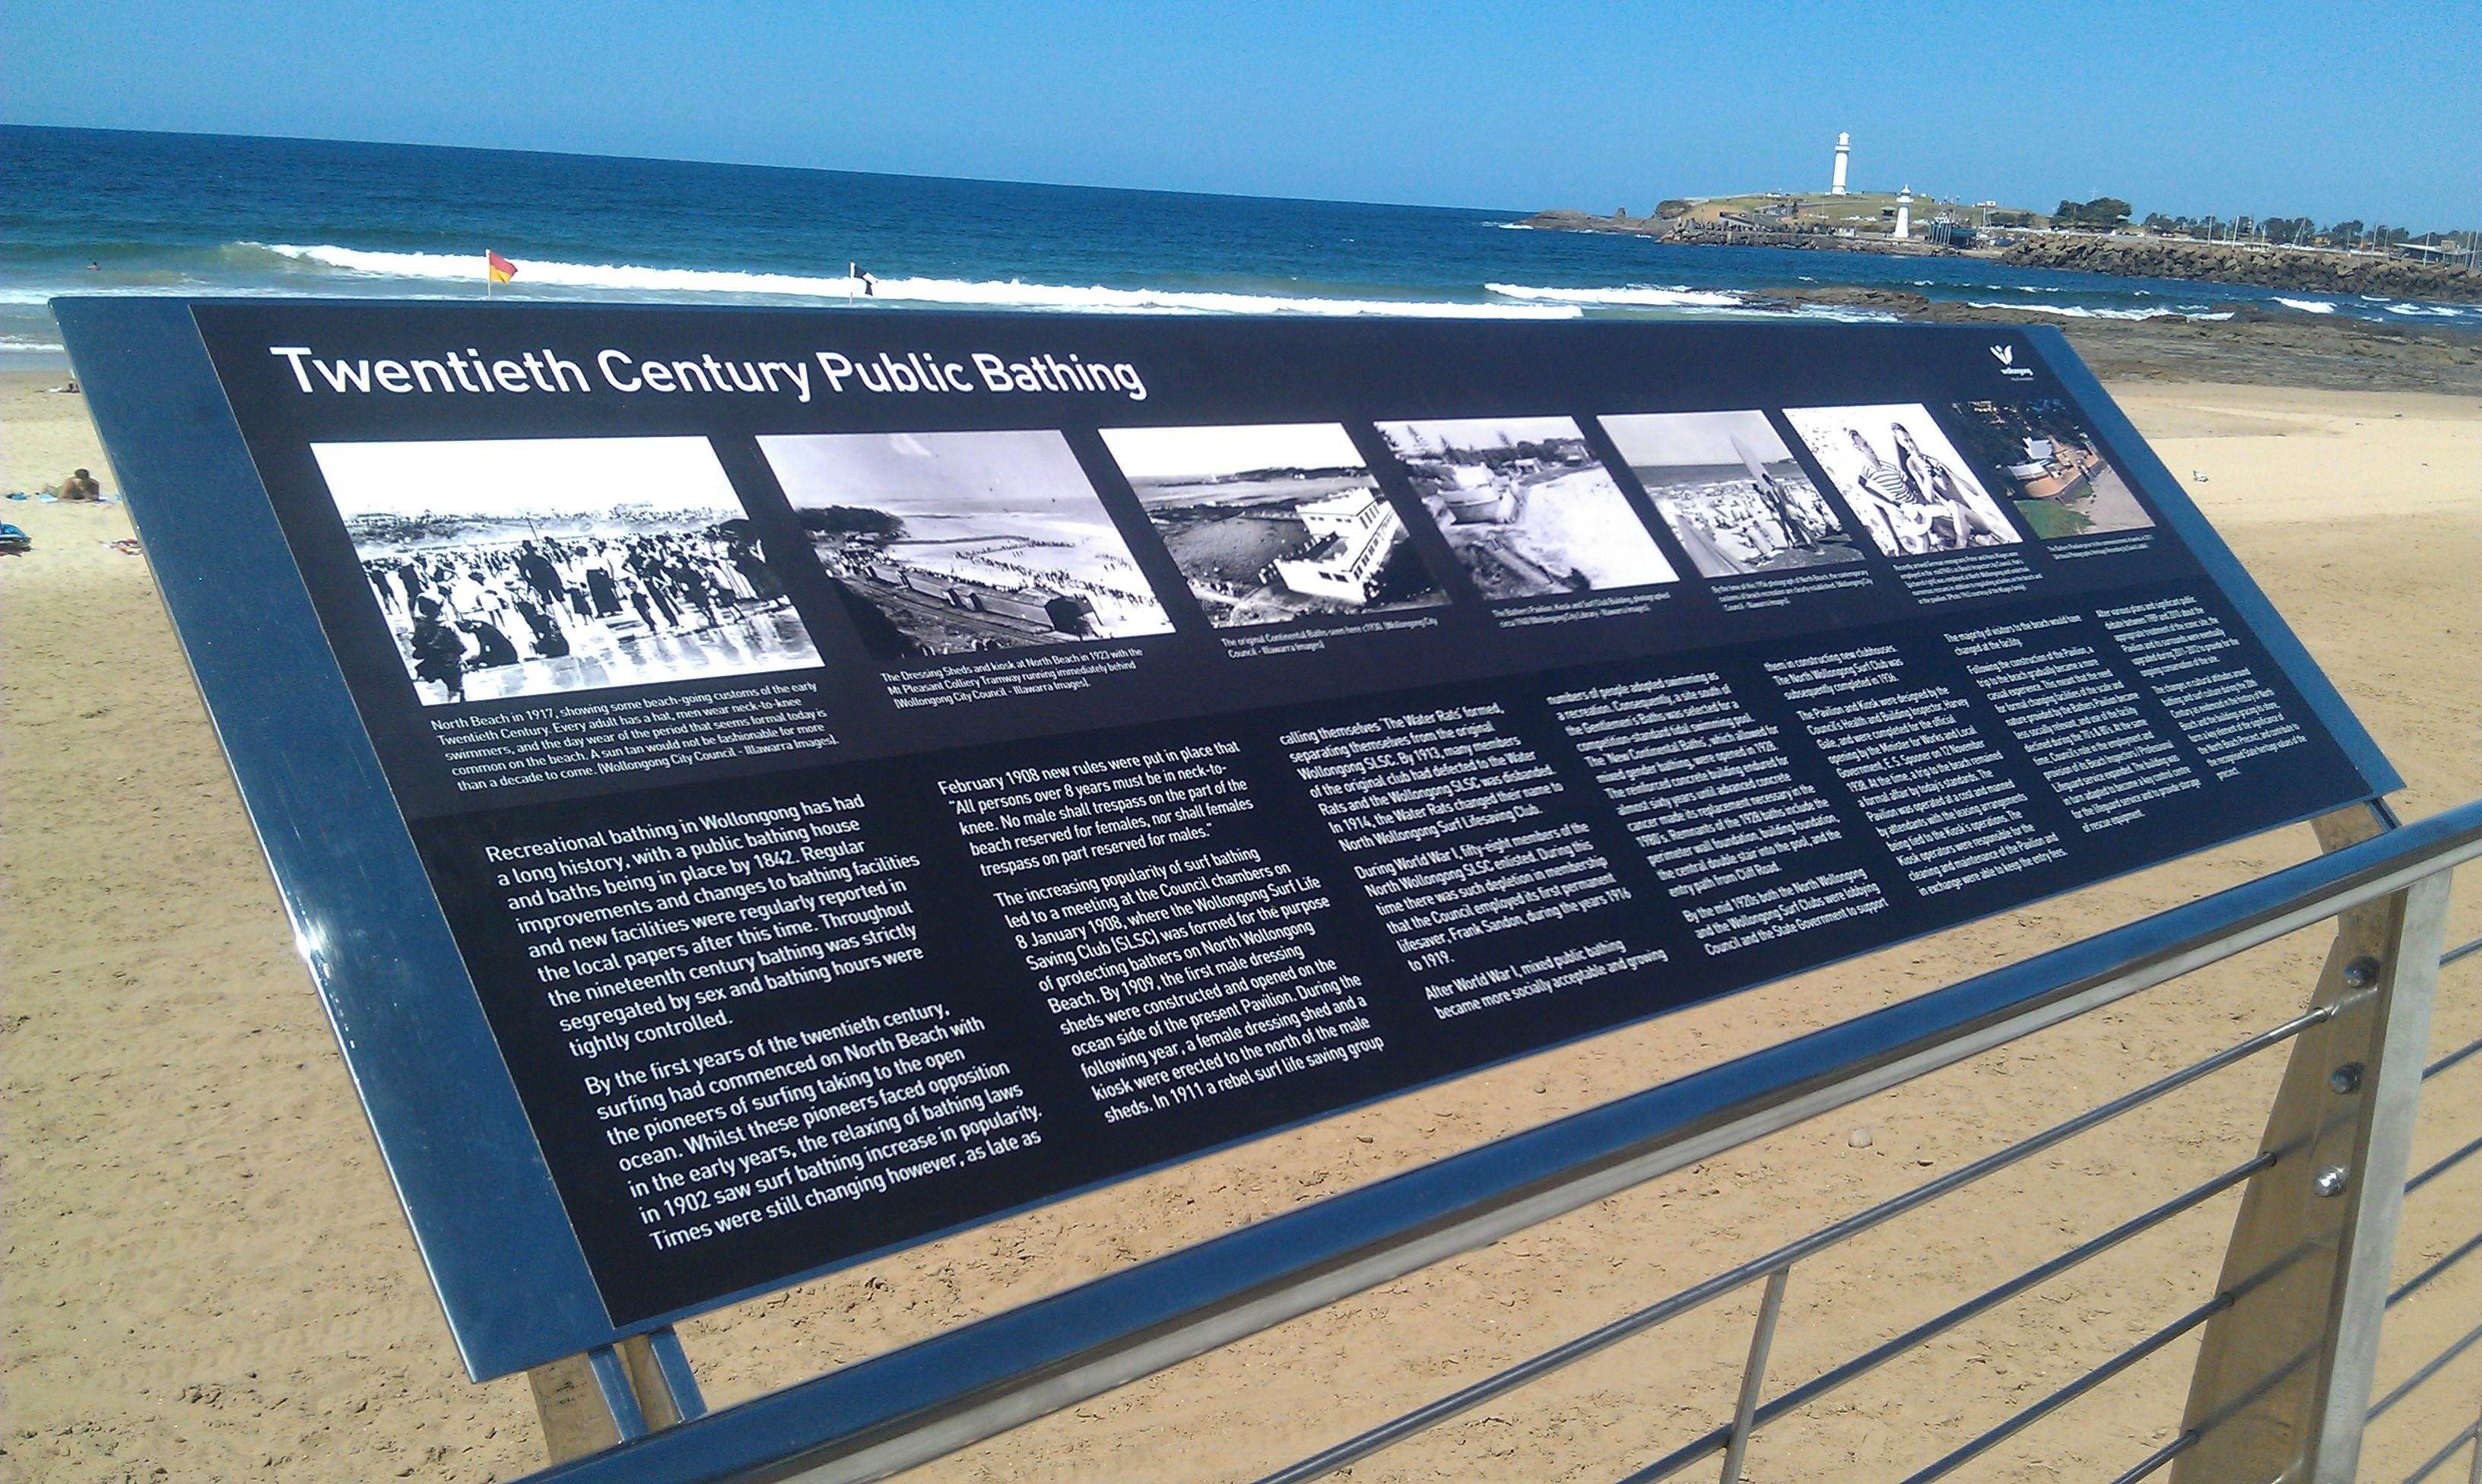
<point>500,269</point>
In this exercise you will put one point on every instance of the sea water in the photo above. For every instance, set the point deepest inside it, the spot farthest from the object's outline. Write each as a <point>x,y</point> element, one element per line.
<point>90,211</point>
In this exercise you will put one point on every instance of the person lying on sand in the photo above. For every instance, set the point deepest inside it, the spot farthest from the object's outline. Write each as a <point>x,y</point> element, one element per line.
<point>80,486</point>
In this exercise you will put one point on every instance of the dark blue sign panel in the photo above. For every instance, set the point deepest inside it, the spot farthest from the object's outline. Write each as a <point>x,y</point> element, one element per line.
<point>883,770</point>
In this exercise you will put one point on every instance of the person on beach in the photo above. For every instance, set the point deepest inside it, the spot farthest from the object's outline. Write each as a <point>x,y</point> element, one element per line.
<point>80,486</point>
<point>439,653</point>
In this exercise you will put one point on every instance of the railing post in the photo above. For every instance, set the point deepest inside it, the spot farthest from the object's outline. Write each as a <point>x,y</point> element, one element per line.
<point>2374,1195</point>
<point>1754,1374</point>
<point>2311,1248</point>
<point>588,1402</point>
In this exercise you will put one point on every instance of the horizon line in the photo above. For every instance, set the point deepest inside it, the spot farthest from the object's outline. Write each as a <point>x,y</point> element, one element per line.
<point>1505,211</point>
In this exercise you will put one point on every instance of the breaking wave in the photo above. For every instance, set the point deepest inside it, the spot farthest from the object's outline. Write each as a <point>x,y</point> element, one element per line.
<point>985,293</point>
<point>2087,312</point>
<point>1678,297</point>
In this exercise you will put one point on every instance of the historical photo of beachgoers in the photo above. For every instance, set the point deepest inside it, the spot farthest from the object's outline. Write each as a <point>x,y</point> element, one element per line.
<point>1526,507</point>
<point>1905,483</point>
<point>1731,491</point>
<point>1273,522</point>
<point>950,543</point>
<point>513,568</point>
<point>2055,472</point>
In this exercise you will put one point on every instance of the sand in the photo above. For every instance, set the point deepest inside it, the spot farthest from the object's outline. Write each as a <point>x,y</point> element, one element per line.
<point>207,1278</point>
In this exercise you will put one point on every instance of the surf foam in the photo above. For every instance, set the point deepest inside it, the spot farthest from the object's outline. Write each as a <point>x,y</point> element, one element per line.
<point>1632,297</point>
<point>1010,294</point>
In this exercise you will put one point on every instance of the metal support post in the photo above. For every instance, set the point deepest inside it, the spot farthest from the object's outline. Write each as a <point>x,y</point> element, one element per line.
<point>589,1402</point>
<point>1753,1374</point>
<point>2374,1195</point>
<point>2274,1368</point>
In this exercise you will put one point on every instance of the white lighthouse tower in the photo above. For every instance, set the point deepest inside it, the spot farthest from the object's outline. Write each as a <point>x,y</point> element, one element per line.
<point>1843,157</point>
<point>1904,214</point>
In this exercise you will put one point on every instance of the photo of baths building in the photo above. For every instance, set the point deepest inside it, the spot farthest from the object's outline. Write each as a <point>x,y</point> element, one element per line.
<point>1275,523</point>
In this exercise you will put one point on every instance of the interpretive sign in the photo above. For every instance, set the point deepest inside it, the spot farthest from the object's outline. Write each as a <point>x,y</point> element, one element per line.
<point>882,770</point>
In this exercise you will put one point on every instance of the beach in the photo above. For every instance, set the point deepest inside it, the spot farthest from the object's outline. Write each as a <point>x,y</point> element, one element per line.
<point>208,1277</point>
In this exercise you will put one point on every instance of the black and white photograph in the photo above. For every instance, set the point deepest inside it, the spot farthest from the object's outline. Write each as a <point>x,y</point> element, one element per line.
<point>1272,523</point>
<point>2055,472</point>
<point>1905,483</point>
<point>513,568</point>
<point>1730,490</point>
<point>947,543</point>
<point>1526,507</point>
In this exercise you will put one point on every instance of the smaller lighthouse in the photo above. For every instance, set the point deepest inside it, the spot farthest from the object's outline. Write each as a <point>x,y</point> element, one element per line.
<point>1904,214</point>
<point>1843,157</point>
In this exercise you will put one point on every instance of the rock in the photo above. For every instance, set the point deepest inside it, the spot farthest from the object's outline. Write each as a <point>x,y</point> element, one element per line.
<point>1896,301</point>
<point>1860,1138</point>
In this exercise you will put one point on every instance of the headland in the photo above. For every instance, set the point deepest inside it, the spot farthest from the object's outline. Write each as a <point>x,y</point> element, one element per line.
<point>2310,270</point>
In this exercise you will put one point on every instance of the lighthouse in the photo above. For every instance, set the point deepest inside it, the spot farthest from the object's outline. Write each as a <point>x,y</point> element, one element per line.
<point>1904,214</point>
<point>1843,157</point>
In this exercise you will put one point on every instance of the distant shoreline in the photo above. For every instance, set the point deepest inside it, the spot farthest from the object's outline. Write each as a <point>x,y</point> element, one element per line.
<point>2308,270</point>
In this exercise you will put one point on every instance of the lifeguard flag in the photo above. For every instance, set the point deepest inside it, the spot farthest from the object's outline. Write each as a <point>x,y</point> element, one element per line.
<point>499,267</point>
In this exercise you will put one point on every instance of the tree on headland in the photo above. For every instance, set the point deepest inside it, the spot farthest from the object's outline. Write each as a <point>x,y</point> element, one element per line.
<point>2104,212</point>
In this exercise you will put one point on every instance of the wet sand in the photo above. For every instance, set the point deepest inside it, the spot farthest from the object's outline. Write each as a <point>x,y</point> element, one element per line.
<point>207,1277</point>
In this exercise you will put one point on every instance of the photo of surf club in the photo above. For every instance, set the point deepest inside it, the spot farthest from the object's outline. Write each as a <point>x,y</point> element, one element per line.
<point>1272,523</point>
<point>1526,507</point>
<point>1732,491</point>
<point>946,543</point>
<point>2052,466</point>
<point>514,567</point>
<point>1905,483</point>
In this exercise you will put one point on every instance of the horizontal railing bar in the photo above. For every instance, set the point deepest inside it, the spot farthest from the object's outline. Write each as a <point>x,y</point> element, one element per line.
<point>2442,1167</point>
<point>2437,1459</point>
<point>2438,1363</point>
<point>919,1402</point>
<point>2451,1058</point>
<point>2460,951</point>
<point>2434,1270</point>
<point>2020,1421</point>
<point>2154,1462</point>
<point>1698,1294</point>
<point>1802,1396</point>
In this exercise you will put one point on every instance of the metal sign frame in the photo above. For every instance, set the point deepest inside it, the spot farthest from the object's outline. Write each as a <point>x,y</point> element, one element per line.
<point>475,1185</point>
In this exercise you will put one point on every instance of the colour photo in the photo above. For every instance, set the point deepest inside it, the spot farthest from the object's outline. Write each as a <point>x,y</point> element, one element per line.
<point>2054,470</point>
<point>514,567</point>
<point>1526,507</point>
<point>1904,481</point>
<point>948,543</point>
<point>1731,491</point>
<point>1272,523</point>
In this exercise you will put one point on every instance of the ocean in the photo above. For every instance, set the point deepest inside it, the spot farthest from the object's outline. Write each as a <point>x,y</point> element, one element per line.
<point>90,211</point>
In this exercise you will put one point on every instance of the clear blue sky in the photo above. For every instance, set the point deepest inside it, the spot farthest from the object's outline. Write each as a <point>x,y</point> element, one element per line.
<point>2280,108</point>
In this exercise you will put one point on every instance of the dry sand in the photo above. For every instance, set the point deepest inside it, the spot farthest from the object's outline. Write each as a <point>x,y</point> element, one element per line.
<point>206,1276</point>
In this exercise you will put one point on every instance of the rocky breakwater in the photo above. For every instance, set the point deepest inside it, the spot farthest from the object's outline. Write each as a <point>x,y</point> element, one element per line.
<point>1724,234</point>
<point>2309,270</point>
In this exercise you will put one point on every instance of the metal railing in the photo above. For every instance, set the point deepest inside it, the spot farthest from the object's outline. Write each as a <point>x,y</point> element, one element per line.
<point>2282,1381</point>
